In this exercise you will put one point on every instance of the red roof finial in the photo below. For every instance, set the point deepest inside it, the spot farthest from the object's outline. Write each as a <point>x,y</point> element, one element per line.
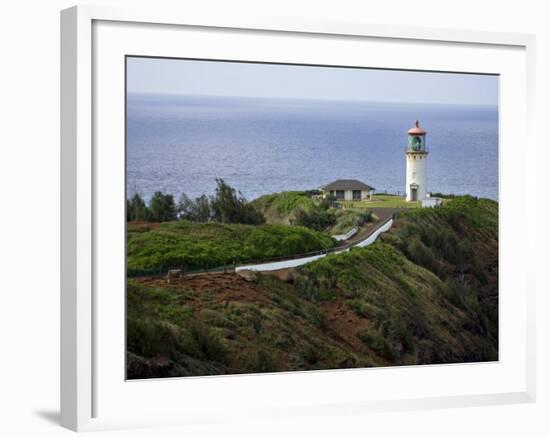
<point>417,130</point>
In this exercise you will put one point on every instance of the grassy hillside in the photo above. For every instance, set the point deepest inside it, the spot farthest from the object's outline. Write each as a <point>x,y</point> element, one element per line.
<point>381,201</point>
<point>198,245</point>
<point>426,292</point>
<point>281,207</point>
<point>346,219</point>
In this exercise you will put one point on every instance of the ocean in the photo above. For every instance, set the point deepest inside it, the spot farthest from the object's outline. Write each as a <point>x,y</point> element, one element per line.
<point>181,144</point>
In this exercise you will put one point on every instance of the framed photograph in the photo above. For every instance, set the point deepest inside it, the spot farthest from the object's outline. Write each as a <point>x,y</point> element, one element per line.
<point>274,218</point>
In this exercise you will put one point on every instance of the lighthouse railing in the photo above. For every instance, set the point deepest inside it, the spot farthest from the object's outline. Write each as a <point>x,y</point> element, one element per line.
<point>409,150</point>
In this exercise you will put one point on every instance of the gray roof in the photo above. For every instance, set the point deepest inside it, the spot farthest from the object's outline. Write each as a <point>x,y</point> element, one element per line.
<point>347,184</point>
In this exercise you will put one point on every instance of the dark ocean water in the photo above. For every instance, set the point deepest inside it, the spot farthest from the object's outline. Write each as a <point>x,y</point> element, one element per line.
<point>181,144</point>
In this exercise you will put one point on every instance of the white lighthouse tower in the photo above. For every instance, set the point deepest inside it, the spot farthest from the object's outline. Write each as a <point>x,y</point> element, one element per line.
<point>417,156</point>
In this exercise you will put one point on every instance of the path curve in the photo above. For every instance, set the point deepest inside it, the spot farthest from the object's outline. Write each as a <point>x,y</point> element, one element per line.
<point>386,222</point>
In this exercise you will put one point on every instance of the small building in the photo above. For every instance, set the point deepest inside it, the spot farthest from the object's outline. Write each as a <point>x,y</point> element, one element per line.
<point>349,189</point>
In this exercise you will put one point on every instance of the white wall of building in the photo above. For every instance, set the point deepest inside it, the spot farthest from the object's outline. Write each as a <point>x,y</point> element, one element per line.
<point>431,202</point>
<point>417,174</point>
<point>348,194</point>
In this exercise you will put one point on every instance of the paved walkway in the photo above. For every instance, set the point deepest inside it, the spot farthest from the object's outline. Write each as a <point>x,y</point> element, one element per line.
<point>360,239</point>
<point>383,214</point>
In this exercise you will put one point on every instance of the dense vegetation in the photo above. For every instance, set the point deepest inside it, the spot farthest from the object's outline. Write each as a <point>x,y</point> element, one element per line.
<point>426,292</point>
<point>321,218</point>
<point>227,205</point>
<point>280,208</point>
<point>306,208</point>
<point>161,208</point>
<point>347,219</point>
<point>207,245</point>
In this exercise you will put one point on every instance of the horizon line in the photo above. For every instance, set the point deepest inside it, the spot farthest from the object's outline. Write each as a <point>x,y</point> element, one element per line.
<point>310,99</point>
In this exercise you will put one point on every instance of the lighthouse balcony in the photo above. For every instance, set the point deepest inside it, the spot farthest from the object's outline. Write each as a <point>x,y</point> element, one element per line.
<point>418,151</point>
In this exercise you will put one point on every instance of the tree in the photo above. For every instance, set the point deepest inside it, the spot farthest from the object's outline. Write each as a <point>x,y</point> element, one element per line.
<point>185,207</point>
<point>128,211</point>
<point>201,209</point>
<point>229,206</point>
<point>197,210</point>
<point>136,209</point>
<point>162,207</point>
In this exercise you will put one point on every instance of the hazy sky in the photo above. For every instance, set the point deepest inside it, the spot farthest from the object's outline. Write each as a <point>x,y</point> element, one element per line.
<point>176,76</point>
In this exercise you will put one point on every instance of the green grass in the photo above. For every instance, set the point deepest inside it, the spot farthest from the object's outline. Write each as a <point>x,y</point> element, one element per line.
<point>198,246</point>
<point>425,292</point>
<point>381,201</point>
<point>280,208</point>
<point>345,221</point>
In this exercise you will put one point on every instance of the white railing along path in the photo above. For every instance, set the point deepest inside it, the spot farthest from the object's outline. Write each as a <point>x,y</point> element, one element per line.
<point>278,265</point>
<point>341,237</point>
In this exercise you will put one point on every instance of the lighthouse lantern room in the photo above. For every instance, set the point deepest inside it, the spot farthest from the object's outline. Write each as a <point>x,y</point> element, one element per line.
<point>416,155</point>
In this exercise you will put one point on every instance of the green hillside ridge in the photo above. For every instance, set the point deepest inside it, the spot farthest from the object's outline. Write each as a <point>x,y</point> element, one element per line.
<point>381,201</point>
<point>280,208</point>
<point>200,245</point>
<point>283,207</point>
<point>425,292</point>
<point>347,219</point>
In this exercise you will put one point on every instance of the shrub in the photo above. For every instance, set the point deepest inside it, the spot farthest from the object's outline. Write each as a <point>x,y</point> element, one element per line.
<point>311,355</point>
<point>346,219</point>
<point>318,218</point>
<point>162,207</point>
<point>205,342</point>
<point>420,254</point>
<point>364,218</point>
<point>229,206</point>
<point>364,309</point>
<point>258,361</point>
<point>136,210</point>
<point>375,341</point>
<point>153,338</point>
<point>316,314</point>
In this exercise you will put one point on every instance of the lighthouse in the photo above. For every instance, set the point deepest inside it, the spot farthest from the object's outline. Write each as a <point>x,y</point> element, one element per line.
<point>417,156</point>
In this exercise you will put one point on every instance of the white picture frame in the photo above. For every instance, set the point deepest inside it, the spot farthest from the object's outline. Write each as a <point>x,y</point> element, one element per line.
<point>85,377</point>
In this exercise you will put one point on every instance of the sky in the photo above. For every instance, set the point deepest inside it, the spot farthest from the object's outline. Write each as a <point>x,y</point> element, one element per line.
<point>215,78</point>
